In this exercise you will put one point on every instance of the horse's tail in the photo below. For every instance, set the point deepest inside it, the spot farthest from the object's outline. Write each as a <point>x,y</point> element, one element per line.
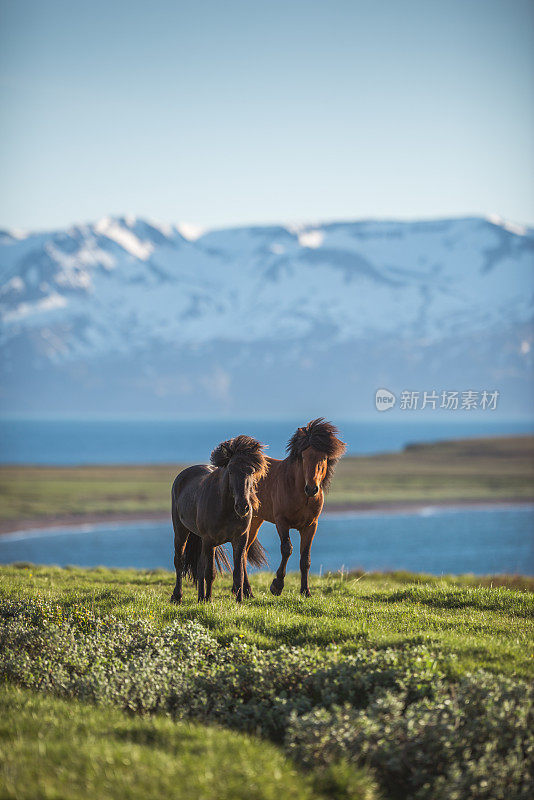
<point>256,554</point>
<point>193,549</point>
<point>191,557</point>
<point>221,559</point>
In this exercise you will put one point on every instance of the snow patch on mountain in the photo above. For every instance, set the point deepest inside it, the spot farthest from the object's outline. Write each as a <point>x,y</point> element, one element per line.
<point>38,310</point>
<point>311,239</point>
<point>519,230</point>
<point>124,237</point>
<point>190,231</point>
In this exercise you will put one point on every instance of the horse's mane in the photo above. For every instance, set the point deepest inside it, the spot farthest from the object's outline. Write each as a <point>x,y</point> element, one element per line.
<point>322,436</point>
<point>246,454</point>
<point>242,450</point>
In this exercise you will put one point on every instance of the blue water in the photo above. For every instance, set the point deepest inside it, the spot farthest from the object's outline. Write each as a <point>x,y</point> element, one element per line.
<point>436,541</point>
<point>174,441</point>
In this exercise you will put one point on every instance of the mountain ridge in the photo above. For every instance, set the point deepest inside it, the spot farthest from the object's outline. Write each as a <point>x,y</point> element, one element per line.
<point>102,311</point>
<point>196,230</point>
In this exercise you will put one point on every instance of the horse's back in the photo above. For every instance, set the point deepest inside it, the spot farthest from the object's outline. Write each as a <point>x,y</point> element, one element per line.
<point>189,475</point>
<point>269,488</point>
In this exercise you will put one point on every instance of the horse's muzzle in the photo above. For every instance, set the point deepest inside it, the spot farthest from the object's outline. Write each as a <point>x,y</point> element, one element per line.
<point>242,510</point>
<point>311,491</point>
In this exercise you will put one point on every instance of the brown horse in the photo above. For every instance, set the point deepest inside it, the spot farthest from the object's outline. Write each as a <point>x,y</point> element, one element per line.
<point>291,494</point>
<point>213,504</point>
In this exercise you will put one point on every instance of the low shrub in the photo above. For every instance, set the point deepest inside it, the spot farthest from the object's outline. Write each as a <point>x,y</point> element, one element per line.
<point>391,709</point>
<point>472,740</point>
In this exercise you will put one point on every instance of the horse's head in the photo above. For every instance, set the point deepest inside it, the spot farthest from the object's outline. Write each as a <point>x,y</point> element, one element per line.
<point>242,487</point>
<point>245,464</point>
<point>319,449</point>
<point>315,467</point>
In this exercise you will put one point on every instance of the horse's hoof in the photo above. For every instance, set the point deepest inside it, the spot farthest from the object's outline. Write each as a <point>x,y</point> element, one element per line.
<point>305,593</point>
<point>276,589</point>
<point>176,600</point>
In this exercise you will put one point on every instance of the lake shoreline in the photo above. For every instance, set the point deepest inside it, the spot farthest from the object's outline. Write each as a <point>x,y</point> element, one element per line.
<point>79,520</point>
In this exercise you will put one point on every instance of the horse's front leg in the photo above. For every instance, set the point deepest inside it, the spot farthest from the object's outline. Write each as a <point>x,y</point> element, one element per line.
<point>286,549</point>
<point>306,539</point>
<point>247,588</point>
<point>238,546</point>
<point>252,535</point>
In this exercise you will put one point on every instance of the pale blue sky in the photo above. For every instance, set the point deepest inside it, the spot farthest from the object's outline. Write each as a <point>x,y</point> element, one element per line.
<point>227,112</point>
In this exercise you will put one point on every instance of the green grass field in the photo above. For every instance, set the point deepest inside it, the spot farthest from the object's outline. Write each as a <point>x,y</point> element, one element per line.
<point>479,625</point>
<point>379,686</point>
<point>500,468</point>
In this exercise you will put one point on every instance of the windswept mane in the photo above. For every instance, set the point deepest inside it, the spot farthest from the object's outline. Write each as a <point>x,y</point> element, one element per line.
<point>245,452</point>
<point>322,436</point>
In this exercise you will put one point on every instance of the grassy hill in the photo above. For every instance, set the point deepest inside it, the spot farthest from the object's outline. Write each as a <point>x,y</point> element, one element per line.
<point>500,468</point>
<point>392,686</point>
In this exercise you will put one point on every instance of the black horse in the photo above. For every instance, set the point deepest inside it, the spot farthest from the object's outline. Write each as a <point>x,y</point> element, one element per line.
<point>212,504</point>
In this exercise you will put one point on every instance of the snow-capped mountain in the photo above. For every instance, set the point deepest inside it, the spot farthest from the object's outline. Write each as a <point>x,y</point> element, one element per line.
<point>130,315</point>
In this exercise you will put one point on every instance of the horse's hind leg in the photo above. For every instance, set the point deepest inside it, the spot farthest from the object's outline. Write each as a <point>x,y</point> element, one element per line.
<point>180,540</point>
<point>201,574</point>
